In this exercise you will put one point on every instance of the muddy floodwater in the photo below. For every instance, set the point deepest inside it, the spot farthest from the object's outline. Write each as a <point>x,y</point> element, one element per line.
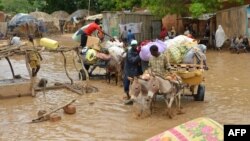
<point>102,116</point>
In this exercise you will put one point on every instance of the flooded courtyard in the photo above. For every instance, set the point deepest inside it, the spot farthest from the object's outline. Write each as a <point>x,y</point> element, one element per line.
<point>102,116</point>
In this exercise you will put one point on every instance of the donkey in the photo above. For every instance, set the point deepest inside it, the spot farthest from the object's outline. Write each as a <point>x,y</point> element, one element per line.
<point>115,64</point>
<point>138,91</point>
<point>115,68</point>
<point>171,91</point>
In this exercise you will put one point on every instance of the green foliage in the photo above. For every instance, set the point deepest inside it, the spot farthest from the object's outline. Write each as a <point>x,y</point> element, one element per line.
<point>158,7</point>
<point>1,5</point>
<point>197,9</point>
<point>116,5</point>
<point>127,4</point>
<point>17,6</point>
<point>105,5</point>
<point>163,7</point>
<point>66,5</point>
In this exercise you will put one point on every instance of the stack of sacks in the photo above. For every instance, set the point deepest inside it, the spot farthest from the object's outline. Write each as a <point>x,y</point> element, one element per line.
<point>145,50</point>
<point>178,47</point>
<point>116,42</point>
<point>200,50</point>
<point>115,49</point>
<point>182,49</point>
<point>178,40</point>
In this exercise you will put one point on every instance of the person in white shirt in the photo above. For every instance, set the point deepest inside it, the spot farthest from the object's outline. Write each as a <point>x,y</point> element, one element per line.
<point>15,40</point>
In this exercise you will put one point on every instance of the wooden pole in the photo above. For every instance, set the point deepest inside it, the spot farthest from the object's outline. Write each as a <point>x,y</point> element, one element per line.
<point>12,70</point>
<point>84,69</point>
<point>32,79</point>
<point>65,68</point>
<point>43,117</point>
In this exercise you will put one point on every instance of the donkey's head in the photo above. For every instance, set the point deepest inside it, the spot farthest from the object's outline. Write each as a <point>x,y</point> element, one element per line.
<point>153,86</point>
<point>135,88</point>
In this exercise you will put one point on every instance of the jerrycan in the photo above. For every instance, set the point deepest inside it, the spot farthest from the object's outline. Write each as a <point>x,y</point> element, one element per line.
<point>49,43</point>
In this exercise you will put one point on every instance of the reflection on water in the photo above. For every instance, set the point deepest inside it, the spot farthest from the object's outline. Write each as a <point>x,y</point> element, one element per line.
<point>102,116</point>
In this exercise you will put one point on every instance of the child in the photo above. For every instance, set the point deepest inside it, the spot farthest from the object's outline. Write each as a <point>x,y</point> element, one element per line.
<point>34,57</point>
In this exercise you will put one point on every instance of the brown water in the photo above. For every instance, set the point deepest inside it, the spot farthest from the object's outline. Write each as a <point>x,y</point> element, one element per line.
<point>102,116</point>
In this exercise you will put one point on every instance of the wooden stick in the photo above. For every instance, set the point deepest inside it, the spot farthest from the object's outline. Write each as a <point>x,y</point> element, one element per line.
<point>50,88</point>
<point>11,68</point>
<point>65,68</point>
<point>39,119</point>
<point>68,86</point>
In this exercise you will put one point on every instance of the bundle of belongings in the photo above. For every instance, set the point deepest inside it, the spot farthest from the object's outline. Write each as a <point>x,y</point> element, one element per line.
<point>199,129</point>
<point>102,52</point>
<point>180,51</point>
<point>183,49</point>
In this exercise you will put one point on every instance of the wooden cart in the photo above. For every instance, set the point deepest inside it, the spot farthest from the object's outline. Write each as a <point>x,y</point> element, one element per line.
<point>192,76</point>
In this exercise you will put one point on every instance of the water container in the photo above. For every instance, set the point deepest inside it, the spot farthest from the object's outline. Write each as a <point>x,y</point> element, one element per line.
<point>49,43</point>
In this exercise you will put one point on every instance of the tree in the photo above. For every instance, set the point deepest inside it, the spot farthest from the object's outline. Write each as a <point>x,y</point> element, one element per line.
<point>163,7</point>
<point>117,5</point>
<point>199,7</point>
<point>1,5</point>
<point>194,7</point>
<point>17,6</point>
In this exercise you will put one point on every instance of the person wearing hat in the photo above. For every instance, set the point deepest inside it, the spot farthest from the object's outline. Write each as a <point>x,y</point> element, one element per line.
<point>88,31</point>
<point>131,68</point>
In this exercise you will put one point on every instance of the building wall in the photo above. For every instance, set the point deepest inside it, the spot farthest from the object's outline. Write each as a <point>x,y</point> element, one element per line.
<point>233,21</point>
<point>172,20</point>
<point>2,16</point>
<point>111,21</point>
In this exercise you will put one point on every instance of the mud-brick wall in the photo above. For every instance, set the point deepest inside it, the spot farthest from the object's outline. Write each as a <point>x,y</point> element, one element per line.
<point>233,21</point>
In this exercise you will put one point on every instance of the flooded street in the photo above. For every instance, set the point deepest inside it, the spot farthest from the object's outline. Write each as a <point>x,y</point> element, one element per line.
<point>102,116</point>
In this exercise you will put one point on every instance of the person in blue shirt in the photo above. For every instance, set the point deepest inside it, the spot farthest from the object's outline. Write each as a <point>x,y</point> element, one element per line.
<point>130,36</point>
<point>131,66</point>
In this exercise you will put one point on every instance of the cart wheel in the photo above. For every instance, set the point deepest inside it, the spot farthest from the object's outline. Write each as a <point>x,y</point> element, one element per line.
<point>200,93</point>
<point>82,75</point>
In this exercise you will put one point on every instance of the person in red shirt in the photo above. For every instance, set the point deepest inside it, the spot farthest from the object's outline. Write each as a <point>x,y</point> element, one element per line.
<point>163,33</point>
<point>88,31</point>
